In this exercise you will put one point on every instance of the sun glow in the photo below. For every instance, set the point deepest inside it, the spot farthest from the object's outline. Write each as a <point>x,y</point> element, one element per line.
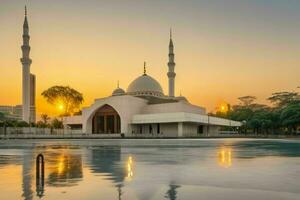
<point>61,165</point>
<point>60,107</point>
<point>225,157</point>
<point>223,107</point>
<point>129,168</point>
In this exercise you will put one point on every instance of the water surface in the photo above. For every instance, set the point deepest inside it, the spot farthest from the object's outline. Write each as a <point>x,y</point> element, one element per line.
<point>151,169</point>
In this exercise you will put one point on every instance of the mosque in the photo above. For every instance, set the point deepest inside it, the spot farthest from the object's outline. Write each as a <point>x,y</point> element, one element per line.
<point>144,109</point>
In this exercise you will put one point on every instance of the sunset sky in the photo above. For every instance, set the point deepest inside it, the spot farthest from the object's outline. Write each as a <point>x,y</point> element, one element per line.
<point>224,49</point>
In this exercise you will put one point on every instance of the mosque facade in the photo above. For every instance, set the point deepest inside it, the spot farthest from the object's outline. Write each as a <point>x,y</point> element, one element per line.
<point>144,109</point>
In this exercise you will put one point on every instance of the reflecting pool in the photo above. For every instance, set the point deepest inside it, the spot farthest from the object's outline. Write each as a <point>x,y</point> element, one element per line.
<point>150,169</point>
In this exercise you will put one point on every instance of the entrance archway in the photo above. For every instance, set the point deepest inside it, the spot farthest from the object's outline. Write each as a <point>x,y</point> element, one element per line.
<point>106,120</point>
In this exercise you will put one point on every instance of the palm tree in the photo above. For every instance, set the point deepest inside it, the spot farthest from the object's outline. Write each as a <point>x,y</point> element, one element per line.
<point>45,118</point>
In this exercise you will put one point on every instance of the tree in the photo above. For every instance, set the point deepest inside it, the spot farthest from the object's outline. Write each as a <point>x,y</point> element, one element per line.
<point>57,124</point>
<point>21,124</point>
<point>247,100</point>
<point>67,98</point>
<point>2,116</point>
<point>41,124</point>
<point>240,113</point>
<point>45,118</point>
<point>282,99</point>
<point>78,112</point>
<point>290,116</point>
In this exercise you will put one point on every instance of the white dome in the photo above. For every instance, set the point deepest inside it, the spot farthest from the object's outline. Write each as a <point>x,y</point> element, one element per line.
<point>118,91</point>
<point>145,86</point>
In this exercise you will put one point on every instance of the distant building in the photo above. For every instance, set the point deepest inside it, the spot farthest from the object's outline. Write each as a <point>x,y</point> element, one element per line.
<point>6,109</point>
<point>12,112</point>
<point>32,98</point>
<point>17,110</point>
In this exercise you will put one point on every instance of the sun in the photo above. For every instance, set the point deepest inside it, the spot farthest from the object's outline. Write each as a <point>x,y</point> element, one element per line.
<point>223,108</point>
<point>60,107</point>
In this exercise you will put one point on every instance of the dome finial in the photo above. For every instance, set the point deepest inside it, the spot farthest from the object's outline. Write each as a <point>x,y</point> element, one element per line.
<point>145,68</point>
<point>25,10</point>
<point>171,33</point>
<point>118,84</point>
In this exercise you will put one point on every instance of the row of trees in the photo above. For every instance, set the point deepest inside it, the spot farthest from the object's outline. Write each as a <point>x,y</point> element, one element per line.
<point>45,122</point>
<point>282,116</point>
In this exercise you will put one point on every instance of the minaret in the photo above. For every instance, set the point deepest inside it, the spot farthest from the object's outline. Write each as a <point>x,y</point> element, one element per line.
<point>145,74</point>
<point>26,62</point>
<point>171,65</point>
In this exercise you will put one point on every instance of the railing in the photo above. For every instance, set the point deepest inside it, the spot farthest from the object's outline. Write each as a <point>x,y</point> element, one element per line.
<point>47,133</point>
<point>38,131</point>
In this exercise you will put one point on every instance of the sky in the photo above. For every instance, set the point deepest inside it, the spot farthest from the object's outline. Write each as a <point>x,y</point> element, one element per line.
<point>224,49</point>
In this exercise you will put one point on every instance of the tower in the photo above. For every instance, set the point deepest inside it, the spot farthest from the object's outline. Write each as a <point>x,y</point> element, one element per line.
<point>26,62</point>
<point>171,64</point>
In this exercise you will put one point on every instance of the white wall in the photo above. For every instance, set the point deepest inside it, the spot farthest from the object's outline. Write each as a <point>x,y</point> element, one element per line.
<point>125,105</point>
<point>173,107</point>
<point>72,120</point>
<point>182,117</point>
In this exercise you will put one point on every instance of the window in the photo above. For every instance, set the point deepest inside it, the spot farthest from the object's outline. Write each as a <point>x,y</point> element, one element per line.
<point>100,124</point>
<point>150,129</point>
<point>200,129</point>
<point>158,128</point>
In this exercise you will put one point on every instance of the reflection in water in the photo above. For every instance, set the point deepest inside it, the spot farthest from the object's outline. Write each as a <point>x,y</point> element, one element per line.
<point>225,157</point>
<point>106,161</point>
<point>129,168</point>
<point>161,173</point>
<point>40,171</point>
<point>65,169</point>
<point>27,175</point>
<point>172,193</point>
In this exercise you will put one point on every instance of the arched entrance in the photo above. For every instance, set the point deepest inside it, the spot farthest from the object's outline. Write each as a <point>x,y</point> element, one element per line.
<point>106,120</point>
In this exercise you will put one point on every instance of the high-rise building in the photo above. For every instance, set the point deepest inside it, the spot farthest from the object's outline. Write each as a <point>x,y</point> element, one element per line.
<point>32,98</point>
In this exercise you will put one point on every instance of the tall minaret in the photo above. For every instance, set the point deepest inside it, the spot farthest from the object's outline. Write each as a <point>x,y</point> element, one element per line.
<point>26,62</point>
<point>171,65</point>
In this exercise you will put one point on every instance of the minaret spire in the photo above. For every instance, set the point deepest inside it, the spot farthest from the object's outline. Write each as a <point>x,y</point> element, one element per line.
<point>145,68</point>
<point>26,62</point>
<point>171,64</point>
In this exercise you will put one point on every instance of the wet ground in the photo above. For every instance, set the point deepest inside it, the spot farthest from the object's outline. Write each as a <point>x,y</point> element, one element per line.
<point>150,169</point>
